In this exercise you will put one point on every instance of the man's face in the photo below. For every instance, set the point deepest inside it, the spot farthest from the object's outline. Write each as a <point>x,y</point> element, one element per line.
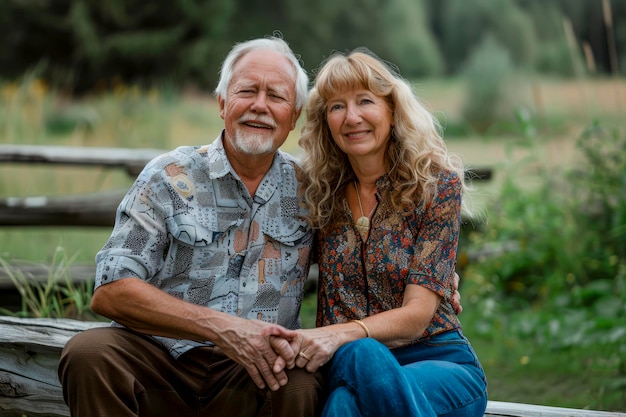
<point>259,109</point>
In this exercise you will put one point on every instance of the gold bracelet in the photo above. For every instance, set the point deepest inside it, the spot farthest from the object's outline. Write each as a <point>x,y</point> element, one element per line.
<point>363,326</point>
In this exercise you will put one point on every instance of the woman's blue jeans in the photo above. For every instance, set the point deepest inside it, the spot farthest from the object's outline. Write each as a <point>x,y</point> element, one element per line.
<point>440,376</point>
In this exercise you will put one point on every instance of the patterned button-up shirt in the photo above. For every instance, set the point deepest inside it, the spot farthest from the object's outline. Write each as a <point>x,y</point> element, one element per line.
<point>189,227</point>
<point>358,279</point>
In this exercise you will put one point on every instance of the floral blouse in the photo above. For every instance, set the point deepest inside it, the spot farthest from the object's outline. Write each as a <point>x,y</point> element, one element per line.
<point>358,279</point>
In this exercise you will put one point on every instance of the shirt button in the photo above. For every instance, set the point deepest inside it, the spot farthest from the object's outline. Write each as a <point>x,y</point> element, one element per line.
<point>244,284</point>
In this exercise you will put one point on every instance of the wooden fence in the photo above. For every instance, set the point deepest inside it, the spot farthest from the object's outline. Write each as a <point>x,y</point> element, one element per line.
<point>92,209</point>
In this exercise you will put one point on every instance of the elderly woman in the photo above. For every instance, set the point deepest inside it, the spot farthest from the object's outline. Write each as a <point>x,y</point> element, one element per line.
<point>384,196</point>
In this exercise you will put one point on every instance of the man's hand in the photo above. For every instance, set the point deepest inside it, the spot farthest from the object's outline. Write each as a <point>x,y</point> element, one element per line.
<point>257,346</point>
<point>455,300</point>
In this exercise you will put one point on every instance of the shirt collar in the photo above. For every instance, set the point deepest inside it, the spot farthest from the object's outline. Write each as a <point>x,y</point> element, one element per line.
<point>219,166</point>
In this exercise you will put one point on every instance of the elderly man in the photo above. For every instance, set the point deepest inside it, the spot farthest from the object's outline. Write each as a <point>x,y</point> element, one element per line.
<point>204,272</point>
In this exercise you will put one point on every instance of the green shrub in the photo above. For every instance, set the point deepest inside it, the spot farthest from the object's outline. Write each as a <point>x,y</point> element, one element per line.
<point>560,274</point>
<point>555,57</point>
<point>599,193</point>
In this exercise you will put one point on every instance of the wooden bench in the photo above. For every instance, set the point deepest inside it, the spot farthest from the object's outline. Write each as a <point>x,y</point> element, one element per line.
<point>29,356</point>
<point>30,350</point>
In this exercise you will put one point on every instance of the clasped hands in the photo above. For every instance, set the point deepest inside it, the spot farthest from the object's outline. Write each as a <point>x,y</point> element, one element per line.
<point>267,350</point>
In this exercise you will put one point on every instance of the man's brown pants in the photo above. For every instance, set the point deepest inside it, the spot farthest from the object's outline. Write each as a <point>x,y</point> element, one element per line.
<point>116,373</point>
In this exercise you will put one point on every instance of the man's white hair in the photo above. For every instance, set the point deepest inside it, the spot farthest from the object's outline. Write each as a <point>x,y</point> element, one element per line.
<point>270,43</point>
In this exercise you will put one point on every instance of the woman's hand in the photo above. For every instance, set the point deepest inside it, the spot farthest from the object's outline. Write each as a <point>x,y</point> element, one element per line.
<point>314,347</point>
<point>317,346</point>
<point>456,295</point>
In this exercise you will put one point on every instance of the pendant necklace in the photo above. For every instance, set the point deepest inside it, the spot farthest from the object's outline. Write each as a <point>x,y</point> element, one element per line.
<point>363,222</point>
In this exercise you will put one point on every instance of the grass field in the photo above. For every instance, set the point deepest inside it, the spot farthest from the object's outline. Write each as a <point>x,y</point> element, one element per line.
<point>518,369</point>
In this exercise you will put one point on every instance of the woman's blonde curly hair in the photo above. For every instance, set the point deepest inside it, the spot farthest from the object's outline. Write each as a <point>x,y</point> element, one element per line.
<point>416,153</point>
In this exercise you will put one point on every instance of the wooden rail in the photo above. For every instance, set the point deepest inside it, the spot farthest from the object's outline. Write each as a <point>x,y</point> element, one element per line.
<point>132,160</point>
<point>29,355</point>
<point>30,351</point>
<point>91,209</point>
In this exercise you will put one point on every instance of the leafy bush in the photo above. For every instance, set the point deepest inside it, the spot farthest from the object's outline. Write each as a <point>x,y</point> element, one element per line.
<point>411,44</point>
<point>599,193</point>
<point>560,277</point>
<point>556,58</point>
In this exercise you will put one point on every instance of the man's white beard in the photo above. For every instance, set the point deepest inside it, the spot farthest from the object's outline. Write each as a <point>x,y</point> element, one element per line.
<point>252,144</point>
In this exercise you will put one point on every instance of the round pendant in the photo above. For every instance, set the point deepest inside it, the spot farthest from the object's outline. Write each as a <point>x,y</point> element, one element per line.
<point>363,225</point>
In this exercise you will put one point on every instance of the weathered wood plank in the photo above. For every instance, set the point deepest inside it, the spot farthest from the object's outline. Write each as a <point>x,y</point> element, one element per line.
<point>29,384</point>
<point>132,160</point>
<point>41,273</point>
<point>506,409</point>
<point>30,350</point>
<point>29,356</point>
<point>40,335</point>
<point>90,209</point>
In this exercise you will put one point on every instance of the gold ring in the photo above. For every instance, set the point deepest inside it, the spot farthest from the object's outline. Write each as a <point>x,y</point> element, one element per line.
<point>303,356</point>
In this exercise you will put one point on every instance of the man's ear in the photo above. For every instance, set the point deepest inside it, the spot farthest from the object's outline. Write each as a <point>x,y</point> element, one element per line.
<point>295,119</point>
<point>220,101</point>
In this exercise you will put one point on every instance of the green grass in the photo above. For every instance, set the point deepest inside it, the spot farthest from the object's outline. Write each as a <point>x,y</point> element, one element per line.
<point>59,296</point>
<point>522,369</point>
<point>38,244</point>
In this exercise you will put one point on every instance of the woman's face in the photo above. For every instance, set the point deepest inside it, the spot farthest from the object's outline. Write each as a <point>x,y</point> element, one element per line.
<point>360,122</point>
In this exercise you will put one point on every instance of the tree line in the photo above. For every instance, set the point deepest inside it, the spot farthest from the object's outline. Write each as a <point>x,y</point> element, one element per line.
<point>82,45</point>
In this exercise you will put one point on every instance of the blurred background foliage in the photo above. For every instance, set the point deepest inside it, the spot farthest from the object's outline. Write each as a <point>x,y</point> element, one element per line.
<point>529,88</point>
<point>86,45</point>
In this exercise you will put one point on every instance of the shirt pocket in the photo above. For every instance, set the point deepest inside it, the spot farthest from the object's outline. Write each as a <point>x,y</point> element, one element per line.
<point>204,230</point>
<point>290,231</point>
<point>293,238</point>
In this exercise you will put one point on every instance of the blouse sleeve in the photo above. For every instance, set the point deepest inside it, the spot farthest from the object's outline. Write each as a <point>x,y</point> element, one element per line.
<point>437,238</point>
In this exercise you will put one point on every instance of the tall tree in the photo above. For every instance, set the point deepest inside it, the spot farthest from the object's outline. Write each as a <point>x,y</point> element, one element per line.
<point>85,42</point>
<point>410,39</point>
<point>465,24</point>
